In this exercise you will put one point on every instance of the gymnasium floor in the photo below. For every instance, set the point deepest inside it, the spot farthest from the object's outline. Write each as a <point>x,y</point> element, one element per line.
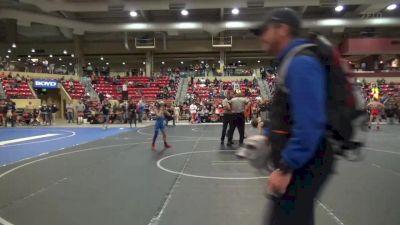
<point>111,177</point>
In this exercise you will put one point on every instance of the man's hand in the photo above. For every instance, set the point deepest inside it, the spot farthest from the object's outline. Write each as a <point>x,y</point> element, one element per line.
<point>278,181</point>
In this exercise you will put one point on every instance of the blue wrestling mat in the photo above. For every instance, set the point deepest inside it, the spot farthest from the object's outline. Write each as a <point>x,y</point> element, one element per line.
<point>22,143</point>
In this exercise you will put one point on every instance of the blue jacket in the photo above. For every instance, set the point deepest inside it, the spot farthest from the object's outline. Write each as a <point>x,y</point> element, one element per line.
<point>306,82</point>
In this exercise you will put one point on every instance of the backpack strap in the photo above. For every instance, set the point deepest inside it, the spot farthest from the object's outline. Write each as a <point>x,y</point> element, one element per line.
<point>283,68</point>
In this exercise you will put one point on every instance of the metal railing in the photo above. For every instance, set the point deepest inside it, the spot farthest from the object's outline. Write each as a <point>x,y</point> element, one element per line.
<point>2,92</point>
<point>87,83</point>
<point>182,92</point>
<point>264,89</point>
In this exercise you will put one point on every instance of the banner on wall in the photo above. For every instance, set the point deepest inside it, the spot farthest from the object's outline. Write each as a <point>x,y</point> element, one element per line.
<point>45,84</point>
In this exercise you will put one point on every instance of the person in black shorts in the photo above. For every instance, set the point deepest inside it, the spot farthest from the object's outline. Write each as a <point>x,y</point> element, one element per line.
<point>132,113</point>
<point>106,108</point>
<point>227,118</point>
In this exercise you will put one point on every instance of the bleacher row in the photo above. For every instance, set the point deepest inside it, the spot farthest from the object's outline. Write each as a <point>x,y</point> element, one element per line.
<point>202,92</point>
<point>146,89</point>
<point>77,92</point>
<point>385,89</point>
<point>14,89</point>
<point>149,90</point>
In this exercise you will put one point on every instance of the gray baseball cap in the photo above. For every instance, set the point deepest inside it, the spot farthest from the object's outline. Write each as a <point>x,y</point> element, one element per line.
<point>282,15</point>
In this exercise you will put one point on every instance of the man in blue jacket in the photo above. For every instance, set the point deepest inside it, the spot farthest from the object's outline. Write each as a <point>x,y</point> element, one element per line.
<point>298,119</point>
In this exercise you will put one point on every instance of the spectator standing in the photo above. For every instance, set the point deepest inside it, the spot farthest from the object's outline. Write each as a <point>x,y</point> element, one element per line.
<point>10,113</point>
<point>193,112</point>
<point>49,115</point>
<point>132,113</point>
<point>106,108</point>
<point>80,110</point>
<point>177,112</point>
<point>3,112</point>
<point>70,112</point>
<point>54,110</point>
<point>125,111</point>
<point>140,110</point>
<point>263,109</point>
<point>43,114</point>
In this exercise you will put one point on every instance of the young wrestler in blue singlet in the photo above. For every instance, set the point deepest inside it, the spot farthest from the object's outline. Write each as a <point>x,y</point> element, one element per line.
<point>160,125</point>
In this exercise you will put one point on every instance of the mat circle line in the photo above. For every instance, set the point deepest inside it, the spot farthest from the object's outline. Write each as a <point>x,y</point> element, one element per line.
<point>200,176</point>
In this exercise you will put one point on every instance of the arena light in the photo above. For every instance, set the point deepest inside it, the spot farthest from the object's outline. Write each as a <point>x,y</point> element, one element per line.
<point>89,63</point>
<point>59,59</point>
<point>235,11</point>
<point>188,25</point>
<point>239,61</point>
<point>391,7</point>
<point>107,63</point>
<point>144,63</point>
<point>33,50</point>
<point>202,62</point>
<point>29,56</point>
<point>7,56</point>
<point>123,63</point>
<point>135,26</point>
<point>19,60</point>
<point>235,24</point>
<point>51,56</point>
<point>181,62</point>
<point>339,8</point>
<point>133,13</point>
<point>13,45</point>
<point>101,58</point>
<point>258,61</point>
<point>219,61</point>
<point>184,12</point>
<point>9,51</point>
<point>65,52</point>
<point>72,55</point>
<point>70,64</point>
<point>331,22</point>
<point>163,62</point>
<point>381,62</point>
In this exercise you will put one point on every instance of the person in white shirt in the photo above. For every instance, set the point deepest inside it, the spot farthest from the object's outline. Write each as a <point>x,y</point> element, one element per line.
<point>193,112</point>
<point>238,106</point>
<point>125,87</point>
<point>177,112</point>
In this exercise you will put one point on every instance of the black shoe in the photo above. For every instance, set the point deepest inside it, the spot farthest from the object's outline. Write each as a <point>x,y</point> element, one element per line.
<point>229,144</point>
<point>222,143</point>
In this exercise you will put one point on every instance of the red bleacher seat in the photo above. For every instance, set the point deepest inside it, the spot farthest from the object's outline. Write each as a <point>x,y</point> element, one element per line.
<point>78,92</point>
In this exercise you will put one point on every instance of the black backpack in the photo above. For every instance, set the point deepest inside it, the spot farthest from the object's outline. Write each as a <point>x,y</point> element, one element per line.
<point>345,108</point>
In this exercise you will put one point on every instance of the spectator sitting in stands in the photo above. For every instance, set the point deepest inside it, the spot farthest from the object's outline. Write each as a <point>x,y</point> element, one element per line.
<point>18,78</point>
<point>71,82</point>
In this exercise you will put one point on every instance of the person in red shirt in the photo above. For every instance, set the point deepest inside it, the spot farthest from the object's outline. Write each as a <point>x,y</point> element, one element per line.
<point>375,112</point>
